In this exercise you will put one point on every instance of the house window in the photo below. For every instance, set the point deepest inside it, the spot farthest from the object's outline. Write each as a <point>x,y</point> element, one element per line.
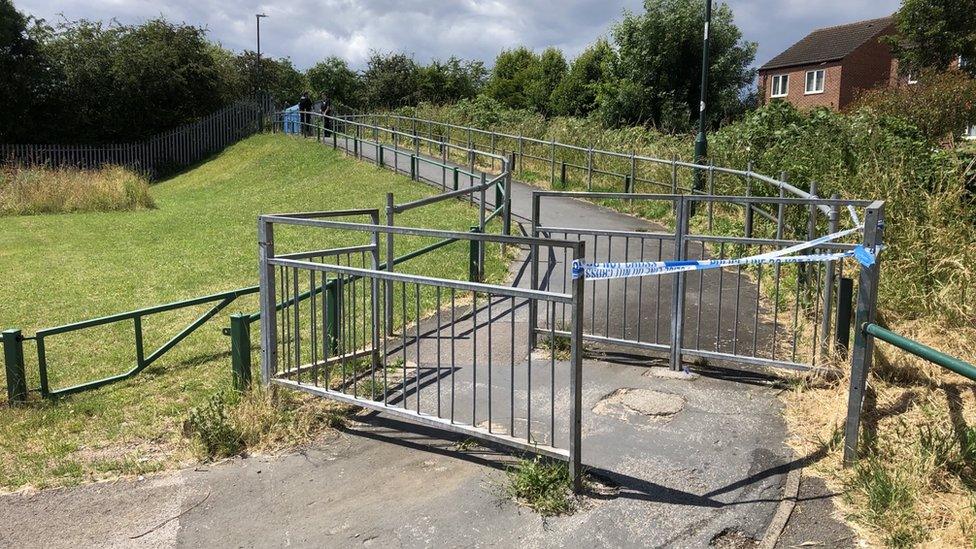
<point>970,132</point>
<point>815,81</point>
<point>781,85</point>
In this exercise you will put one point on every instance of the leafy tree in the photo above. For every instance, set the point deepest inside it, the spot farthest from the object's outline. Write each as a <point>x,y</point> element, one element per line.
<point>576,93</point>
<point>277,77</point>
<point>391,80</point>
<point>122,83</point>
<point>23,69</point>
<point>933,33</point>
<point>656,76</point>
<point>450,81</point>
<point>515,73</point>
<point>332,77</point>
<point>552,70</point>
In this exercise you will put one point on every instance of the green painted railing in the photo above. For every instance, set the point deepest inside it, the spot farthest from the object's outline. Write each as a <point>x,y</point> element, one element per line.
<point>960,367</point>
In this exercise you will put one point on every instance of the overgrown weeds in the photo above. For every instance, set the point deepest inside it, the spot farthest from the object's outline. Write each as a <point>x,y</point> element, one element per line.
<point>29,191</point>
<point>541,484</point>
<point>232,424</point>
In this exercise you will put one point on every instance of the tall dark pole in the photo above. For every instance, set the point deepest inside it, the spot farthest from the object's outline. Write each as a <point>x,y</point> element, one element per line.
<point>701,141</point>
<point>258,72</point>
<point>257,17</point>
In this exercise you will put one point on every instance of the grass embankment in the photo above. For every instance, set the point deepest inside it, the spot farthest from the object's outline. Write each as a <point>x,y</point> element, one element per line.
<point>28,191</point>
<point>200,239</point>
<point>915,484</point>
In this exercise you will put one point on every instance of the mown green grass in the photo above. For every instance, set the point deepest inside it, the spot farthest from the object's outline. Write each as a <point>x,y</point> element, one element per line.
<point>201,238</point>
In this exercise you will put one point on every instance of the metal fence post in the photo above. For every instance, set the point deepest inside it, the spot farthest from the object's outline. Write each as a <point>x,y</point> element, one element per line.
<point>240,351</point>
<point>552,163</point>
<point>13,358</point>
<point>633,174</point>
<point>389,264</point>
<point>711,192</point>
<point>678,289</point>
<point>455,178</point>
<point>534,272</point>
<point>562,174</point>
<point>576,376</point>
<point>331,298</point>
<point>749,213</point>
<point>507,214</point>
<point>589,169</point>
<point>474,268</point>
<point>828,296</point>
<point>867,298</point>
<point>269,319</point>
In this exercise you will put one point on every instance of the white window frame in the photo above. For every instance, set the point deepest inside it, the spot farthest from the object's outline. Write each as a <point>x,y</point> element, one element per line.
<point>969,133</point>
<point>912,79</point>
<point>806,81</point>
<point>785,89</point>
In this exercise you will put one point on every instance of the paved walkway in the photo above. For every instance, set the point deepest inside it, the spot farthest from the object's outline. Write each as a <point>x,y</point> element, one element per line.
<point>711,464</point>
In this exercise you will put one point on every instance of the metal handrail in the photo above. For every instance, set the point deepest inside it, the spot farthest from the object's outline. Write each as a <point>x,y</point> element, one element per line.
<point>786,187</point>
<point>920,350</point>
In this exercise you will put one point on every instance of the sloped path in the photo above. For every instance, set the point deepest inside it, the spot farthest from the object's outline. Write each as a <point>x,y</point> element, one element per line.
<point>715,466</point>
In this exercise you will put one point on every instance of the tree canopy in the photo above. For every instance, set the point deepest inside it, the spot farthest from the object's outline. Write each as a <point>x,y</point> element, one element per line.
<point>932,34</point>
<point>655,78</point>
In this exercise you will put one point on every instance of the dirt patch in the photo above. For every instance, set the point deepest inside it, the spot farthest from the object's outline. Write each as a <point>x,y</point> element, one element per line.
<point>640,405</point>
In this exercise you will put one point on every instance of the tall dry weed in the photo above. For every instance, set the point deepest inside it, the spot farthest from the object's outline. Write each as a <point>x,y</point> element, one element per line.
<point>31,191</point>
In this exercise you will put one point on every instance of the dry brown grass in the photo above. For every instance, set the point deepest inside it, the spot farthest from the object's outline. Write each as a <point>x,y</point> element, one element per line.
<point>29,191</point>
<point>914,484</point>
<point>260,421</point>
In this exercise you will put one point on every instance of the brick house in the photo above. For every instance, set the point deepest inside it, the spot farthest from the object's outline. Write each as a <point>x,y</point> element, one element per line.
<point>831,66</point>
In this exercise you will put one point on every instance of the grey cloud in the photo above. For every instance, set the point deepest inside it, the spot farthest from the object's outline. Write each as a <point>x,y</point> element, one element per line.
<point>308,30</point>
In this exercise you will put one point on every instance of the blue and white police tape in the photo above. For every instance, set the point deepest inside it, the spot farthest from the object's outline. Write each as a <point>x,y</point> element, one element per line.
<point>604,271</point>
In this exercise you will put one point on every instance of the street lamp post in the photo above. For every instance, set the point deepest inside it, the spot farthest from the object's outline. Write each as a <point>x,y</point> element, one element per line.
<point>257,18</point>
<point>701,141</point>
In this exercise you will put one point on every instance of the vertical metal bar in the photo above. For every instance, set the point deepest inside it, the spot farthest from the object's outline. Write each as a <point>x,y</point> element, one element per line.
<point>374,254</point>
<point>453,357</point>
<point>845,297</point>
<point>589,168</point>
<point>534,273</point>
<point>511,368</point>
<point>833,221</point>
<point>552,164</point>
<point>240,351</point>
<point>678,290</point>
<point>576,377</point>
<point>749,213</point>
<point>438,341</point>
<point>13,359</point>
<point>416,343</point>
<point>269,334</point>
<point>867,296</point>
<point>389,263</point>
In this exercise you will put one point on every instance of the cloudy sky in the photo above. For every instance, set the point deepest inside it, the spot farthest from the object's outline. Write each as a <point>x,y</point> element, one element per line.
<point>308,30</point>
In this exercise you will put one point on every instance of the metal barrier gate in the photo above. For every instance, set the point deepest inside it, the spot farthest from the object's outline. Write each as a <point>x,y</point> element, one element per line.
<point>768,315</point>
<point>472,370</point>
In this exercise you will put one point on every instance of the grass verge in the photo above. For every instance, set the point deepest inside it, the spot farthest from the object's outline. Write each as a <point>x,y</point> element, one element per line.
<point>914,484</point>
<point>201,239</point>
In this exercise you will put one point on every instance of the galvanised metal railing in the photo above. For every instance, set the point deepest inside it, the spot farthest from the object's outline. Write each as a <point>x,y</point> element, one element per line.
<point>599,170</point>
<point>380,143</point>
<point>239,331</point>
<point>455,357</point>
<point>777,316</point>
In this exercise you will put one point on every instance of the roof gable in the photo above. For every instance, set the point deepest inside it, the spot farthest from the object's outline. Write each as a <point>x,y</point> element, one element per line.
<point>830,43</point>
